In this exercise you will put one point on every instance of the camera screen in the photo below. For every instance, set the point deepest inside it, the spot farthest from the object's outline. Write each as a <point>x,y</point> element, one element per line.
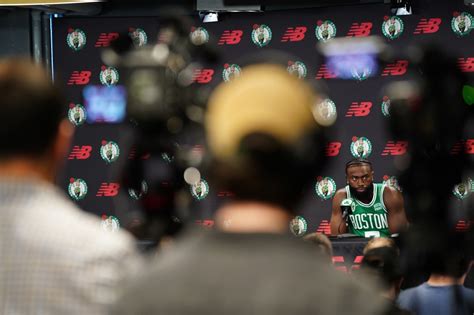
<point>353,66</point>
<point>105,104</point>
<point>352,58</point>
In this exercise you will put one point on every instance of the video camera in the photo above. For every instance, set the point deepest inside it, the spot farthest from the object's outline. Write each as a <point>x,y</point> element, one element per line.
<point>432,114</point>
<point>164,116</point>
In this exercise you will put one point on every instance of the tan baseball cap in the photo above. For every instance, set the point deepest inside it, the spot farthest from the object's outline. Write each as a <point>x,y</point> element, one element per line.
<point>264,99</point>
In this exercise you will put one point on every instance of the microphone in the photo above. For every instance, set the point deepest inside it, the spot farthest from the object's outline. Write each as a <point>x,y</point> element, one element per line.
<point>346,207</point>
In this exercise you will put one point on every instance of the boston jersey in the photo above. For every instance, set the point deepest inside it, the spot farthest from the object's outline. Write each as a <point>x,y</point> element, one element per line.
<point>370,219</point>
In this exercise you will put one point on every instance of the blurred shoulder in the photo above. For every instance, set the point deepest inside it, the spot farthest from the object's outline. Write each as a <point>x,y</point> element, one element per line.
<point>62,224</point>
<point>406,297</point>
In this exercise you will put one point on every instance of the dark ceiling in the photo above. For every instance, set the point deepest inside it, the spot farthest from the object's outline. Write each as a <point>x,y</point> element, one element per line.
<point>154,7</point>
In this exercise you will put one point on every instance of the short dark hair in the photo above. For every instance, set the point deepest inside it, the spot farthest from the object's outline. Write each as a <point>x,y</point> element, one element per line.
<point>357,162</point>
<point>264,170</point>
<point>385,262</point>
<point>376,242</point>
<point>31,109</point>
<point>452,258</point>
<point>322,242</point>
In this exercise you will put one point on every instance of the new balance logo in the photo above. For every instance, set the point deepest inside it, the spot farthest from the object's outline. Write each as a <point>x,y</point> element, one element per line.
<point>333,148</point>
<point>105,39</point>
<point>463,146</point>
<point>224,194</point>
<point>197,152</point>
<point>108,190</point>
<point>80,152</point>
<point>457,147</point>
<point>359,109</point>
<point>340,263</point>
<point>360,29</point>
<point>205,223</point>
<point>338,259</point>
<point>466,64</point>
<point>203,76</point>
<point>324,228</point>
<point>133,155</point>
<point>79,78</point>
<point>198,149</point>
<point>469,146</point>
<point>463,226</point>
<point>230,37</point>
<point>395,148</point>
<point>294,34</point>
<point>325,73</point>
<point>398,68</point>
<point>357,262</point>
<point>428,26</point>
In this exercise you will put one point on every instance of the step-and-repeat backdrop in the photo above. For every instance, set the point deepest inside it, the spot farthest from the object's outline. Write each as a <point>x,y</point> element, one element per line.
<point>92,173</point>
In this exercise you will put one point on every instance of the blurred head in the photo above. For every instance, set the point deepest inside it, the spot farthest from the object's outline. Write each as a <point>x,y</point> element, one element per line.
<point>359,176</point>
<point>263,137</point>
<point>377,242</point>
<point>322,243</point>
<point>32,112</point>
<point>452,259</point>
<point>384,263</point>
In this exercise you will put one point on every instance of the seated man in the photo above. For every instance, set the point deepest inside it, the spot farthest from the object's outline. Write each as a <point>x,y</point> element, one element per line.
<point>376,209</point>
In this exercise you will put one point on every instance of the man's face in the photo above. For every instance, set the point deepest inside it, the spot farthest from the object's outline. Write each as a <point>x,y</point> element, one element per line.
<point>360,178</point>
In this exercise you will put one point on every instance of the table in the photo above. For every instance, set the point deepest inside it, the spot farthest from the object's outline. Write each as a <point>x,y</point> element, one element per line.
<point>347,256</point>
<point>347,252</point>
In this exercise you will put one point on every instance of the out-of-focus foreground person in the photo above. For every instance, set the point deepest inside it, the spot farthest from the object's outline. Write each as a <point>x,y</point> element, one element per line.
<point>383,262</point>
<point>443,292</point>
<point>322,243</point>
<point>376,242</point>
<point>55,259</point>
<point>262,135</point>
